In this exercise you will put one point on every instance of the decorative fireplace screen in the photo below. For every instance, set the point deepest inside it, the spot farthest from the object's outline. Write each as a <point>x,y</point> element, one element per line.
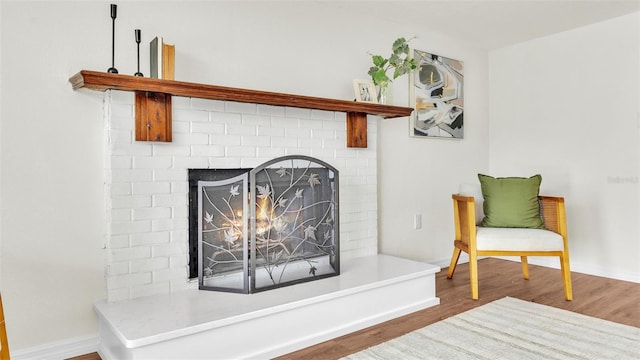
<point>267,227</point>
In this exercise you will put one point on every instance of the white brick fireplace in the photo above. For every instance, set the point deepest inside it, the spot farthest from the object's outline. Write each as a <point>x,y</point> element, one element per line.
<point>147,184</point>
<point>154,310</point>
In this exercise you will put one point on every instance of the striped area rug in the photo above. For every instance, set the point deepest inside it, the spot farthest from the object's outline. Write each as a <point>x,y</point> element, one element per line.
<point>513,329</point>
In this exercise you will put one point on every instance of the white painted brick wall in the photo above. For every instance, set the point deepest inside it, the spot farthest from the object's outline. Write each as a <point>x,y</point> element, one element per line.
<point>147,184</point>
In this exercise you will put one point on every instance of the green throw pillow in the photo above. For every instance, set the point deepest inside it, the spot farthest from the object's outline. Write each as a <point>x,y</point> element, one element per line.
<point>511,202</point>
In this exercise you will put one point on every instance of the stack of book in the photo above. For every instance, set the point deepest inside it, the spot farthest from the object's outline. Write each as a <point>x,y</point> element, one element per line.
<point>162,59</point>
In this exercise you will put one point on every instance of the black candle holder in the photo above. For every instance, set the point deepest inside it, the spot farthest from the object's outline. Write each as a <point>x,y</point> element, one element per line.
<point>138,38</point>
<point>114,14</point>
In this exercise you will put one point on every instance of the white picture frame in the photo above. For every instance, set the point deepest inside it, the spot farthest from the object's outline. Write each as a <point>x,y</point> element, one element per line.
<point>364,90</point>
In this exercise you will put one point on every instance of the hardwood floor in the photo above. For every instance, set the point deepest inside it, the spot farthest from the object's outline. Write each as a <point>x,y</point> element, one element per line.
<point>604,298</point>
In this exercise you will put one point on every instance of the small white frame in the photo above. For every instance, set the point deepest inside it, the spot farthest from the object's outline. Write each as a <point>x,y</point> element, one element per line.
<point>365,91</point>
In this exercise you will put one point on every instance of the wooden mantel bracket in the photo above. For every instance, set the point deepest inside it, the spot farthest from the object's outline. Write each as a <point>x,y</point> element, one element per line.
<point>153,103</point>
<point>153,116</point>
<point>356,129</point>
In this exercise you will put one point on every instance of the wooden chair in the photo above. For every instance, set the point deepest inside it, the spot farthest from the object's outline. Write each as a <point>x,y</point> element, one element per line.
<point>479,241</point>
<point>4,351</point>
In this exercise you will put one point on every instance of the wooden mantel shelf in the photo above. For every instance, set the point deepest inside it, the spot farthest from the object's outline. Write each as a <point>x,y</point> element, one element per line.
<point>153,102</point>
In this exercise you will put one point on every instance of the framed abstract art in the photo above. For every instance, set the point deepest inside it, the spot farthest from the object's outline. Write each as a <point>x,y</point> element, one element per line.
<point>437,96</point>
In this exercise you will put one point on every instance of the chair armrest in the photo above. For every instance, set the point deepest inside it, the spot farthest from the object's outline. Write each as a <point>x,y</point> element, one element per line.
<point>463,198</point>
<point>464,215</point>
<point>553,214</point>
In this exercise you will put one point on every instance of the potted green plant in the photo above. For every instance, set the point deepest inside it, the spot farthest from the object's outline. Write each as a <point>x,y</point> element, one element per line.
<point>399,61</point>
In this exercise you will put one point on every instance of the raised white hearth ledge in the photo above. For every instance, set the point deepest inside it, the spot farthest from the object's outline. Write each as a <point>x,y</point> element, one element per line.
<point>204,324</point>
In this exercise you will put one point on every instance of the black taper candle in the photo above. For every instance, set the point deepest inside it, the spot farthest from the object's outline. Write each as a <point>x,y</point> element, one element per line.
<point>138,39</point>
<point>114,14</point>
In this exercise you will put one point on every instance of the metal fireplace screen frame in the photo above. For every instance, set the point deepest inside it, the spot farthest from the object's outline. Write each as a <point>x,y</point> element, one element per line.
<point>290,236</point>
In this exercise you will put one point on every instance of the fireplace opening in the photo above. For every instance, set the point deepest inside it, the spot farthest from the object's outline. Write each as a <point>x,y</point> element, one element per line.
<point>257,229</point>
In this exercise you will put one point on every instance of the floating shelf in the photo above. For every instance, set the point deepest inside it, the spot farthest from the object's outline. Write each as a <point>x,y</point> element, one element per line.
<point>153,103</point>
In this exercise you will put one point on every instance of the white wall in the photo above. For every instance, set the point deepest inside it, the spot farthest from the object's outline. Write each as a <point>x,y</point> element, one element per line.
<point>418,175</point>
<point>566,106</point>
<point>53,207</point>
<point>52,200</point>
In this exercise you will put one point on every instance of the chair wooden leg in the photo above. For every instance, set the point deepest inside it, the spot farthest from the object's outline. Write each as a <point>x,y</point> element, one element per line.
<point>454,262</point>
<point>525,267</point>
<point>566,277</point>
<point>4,344</point>
<point>473,274</point>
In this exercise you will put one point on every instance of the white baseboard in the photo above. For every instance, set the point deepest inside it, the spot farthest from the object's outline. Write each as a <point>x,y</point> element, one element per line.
<point>63,349</point>
<point>608,273</point>
<point>552,262</point>
<point>444,263</point>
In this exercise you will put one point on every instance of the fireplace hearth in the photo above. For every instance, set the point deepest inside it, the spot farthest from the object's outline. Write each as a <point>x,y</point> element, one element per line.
<point>257,229</point>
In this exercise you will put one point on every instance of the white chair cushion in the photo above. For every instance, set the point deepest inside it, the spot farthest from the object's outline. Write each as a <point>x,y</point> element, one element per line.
<point>469,189</point>
<point>518,239</point>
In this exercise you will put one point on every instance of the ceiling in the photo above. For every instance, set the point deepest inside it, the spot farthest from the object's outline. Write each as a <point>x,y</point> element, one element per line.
<point>490,24</point>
